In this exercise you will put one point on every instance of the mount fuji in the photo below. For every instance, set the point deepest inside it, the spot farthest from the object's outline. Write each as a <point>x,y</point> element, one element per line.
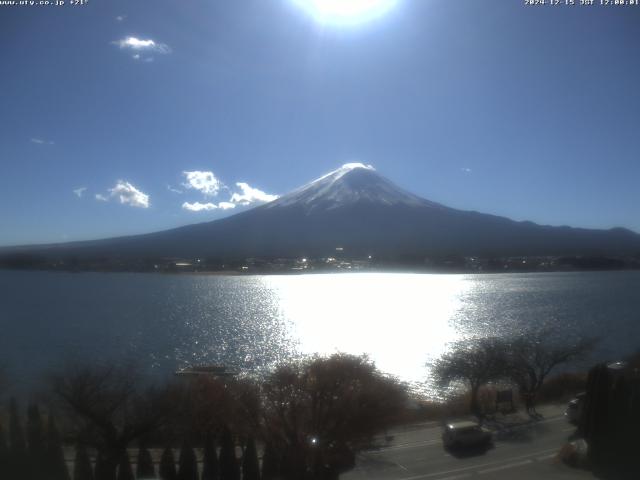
<point>356,209</point>
<point>352,183</point>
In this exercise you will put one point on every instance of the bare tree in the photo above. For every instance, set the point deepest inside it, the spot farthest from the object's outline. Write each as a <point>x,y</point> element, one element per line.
<point>109,410</point>
<point>318,413</point>
<point>475,362</point>
<point>532,357</point>
<point>204,405</point>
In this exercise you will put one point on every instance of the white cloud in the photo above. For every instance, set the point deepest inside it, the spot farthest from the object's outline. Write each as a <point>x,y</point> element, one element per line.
<point>143,45</point>
<point>205,182</point>
<point>466,170</point>
<point>126,194</point>
<point>209,185</point>
<point>40,141</point>
<point>78,192</point>
<point>121,18</point>
<point>174,190</point>
<point>250,195</point>
<point>198,207</point>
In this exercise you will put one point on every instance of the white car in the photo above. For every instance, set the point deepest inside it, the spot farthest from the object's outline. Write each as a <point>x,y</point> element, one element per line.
<point>465,434</point>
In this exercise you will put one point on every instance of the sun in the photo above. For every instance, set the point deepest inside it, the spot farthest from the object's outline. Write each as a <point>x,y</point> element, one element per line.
<point>345,11</point>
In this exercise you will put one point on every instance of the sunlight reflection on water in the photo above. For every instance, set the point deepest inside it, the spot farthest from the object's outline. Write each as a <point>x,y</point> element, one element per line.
<point>400,320</point>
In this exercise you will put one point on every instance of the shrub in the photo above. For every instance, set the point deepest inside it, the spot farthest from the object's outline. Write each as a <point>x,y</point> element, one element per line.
<point>36,442</point>
<point>270,464</point>
<point>250,467</point>
<point>82,465</point>
<point>56,465</point>
<point>125,472</point>
<point>229,469</point>
<point>188,463</point>
<point>144,468</point>
<point>168,465</point>
<point>210,467</point>
<point>17,448</point>
<point>4,453</point>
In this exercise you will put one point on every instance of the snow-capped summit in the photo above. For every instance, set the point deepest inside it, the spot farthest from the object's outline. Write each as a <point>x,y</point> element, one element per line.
<point>353,183</point>
<point>351,166</point>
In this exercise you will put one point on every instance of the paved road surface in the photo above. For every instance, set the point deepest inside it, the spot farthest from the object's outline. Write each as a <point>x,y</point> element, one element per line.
<point>521,451</point>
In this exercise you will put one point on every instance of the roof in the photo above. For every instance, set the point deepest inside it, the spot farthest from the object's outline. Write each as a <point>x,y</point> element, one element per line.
<point>213,370</point>
<point>463,425</point>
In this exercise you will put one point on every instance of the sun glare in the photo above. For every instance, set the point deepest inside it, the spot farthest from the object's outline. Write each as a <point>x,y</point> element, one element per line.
<point>399,320</point>
<point>345,11</point>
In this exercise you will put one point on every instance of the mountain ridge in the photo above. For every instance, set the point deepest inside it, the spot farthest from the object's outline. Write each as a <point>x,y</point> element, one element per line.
<point>356,209</point>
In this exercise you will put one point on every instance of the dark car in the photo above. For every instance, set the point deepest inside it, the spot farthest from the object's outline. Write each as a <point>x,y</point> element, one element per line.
<point>465,434</point>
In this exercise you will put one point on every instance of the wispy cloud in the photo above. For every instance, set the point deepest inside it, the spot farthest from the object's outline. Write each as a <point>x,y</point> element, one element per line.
<point>143,49</point>
<point>250,195</point>
<point>141,44</point>
<point>174,190</point>
<point>125,193</point>
<point>121,18</point>
<point>203,181</point>
<point>466,170</point>
<point>40,141</point>
<point>78,192</point>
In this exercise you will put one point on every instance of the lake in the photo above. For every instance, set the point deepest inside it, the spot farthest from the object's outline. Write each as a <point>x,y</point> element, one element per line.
<point>164,322</point>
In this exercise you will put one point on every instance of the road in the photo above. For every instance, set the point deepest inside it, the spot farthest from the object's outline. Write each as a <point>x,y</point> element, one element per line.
<point>522,450</point>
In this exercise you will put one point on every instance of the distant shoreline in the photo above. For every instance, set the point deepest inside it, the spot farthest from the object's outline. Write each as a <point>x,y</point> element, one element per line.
<point>235,273</point>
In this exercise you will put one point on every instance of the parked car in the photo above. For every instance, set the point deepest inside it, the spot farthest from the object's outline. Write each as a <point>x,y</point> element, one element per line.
<point>575,408</point>
<point>465,434</point>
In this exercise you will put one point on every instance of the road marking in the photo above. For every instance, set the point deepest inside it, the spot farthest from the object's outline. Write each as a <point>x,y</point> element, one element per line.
<point>546,457</point>
<point>431,475</point>
<point>505,467</point>
<point>404,446</point>
<point>475,467</point>
<point>457,477</point>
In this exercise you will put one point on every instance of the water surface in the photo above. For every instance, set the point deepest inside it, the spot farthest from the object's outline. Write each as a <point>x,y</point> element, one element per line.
<point>401,321</point>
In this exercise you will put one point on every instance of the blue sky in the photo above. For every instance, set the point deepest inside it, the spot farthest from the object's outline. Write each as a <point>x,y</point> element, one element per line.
<point>527,112</point>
